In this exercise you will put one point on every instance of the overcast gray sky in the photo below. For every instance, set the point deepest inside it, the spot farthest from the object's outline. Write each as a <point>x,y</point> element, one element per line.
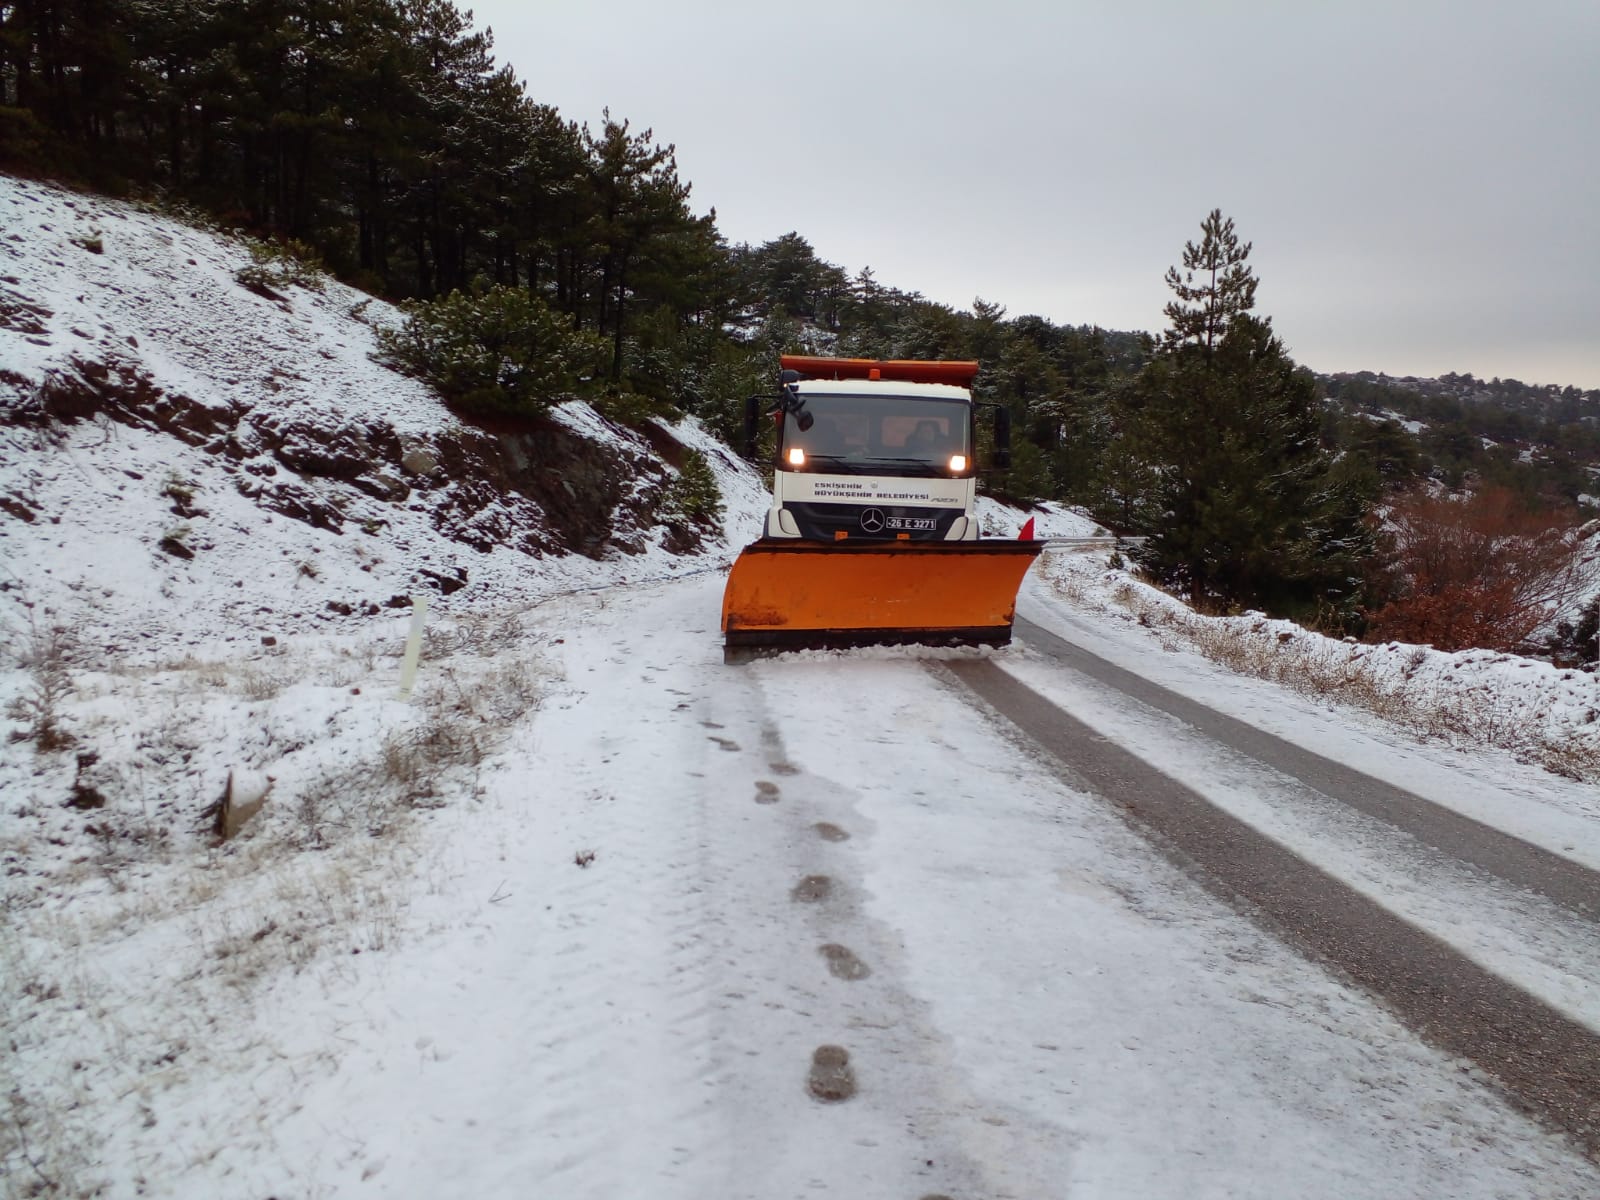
<point>1421,179</point>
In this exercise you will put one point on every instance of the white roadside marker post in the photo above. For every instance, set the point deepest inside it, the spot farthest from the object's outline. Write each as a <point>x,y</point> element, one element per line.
<point>408,669</point>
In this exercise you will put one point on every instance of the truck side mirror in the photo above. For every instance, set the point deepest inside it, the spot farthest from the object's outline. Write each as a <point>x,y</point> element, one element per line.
<point>1002,437</point>
<point>791,403</point>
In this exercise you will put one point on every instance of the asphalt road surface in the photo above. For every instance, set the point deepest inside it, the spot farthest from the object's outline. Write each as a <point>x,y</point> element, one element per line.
<point>1543,1060</point>
<point>1506,857</point>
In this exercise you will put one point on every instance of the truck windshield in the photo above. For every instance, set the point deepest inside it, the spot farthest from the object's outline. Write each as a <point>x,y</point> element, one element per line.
<point>855,432</point>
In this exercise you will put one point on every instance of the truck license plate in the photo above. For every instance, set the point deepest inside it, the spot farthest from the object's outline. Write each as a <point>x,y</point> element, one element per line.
<point>911,523</point>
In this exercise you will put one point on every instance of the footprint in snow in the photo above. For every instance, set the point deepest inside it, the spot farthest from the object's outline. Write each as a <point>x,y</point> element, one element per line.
<point>843,963</point>
<point>831,1079</point>
<point>766,792</point>
<point>812,889</point>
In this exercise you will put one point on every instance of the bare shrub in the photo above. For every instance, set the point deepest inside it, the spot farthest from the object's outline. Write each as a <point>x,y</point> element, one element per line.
<point>175,541</point>
<point>483,636</point>
<point>1480,571</point>
<point>44,650</point>
<point>181,491</point>
<point>213,675</point>
<point>312,808</point>
<point>510,691</point>
<point>356,800</point>
<point>281,264</point>
<point>258,684</point>
<point>413,760</point>
<point>40,1145</point>
<point>464,722</point>
<point>404,766</point>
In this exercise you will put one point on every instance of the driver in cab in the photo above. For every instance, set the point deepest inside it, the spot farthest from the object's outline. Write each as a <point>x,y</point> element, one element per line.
<point>928,439</point>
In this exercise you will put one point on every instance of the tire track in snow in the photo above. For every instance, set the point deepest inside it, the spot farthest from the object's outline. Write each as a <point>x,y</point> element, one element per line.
<point>1547,1063</point>
<point>1509,858</point>
<point>628,1049</point>
<point>1545,948</point>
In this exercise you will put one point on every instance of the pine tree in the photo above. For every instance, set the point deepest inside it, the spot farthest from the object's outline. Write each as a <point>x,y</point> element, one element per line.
<point>693,496</point>
<point>1248,509</point>
<point>638,202</point>
<point>787,272</point>
<point>1205,308</point>
<point>493,350</point>
<point>448,76</point>
<point>929,331</point>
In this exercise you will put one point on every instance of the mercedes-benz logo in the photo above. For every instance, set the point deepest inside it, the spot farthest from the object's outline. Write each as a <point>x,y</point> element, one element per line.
<point>872,521</point>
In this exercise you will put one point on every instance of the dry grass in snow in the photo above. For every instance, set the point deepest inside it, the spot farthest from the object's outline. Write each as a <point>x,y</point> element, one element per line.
<point>1540,713</point>
<point>137,949</point>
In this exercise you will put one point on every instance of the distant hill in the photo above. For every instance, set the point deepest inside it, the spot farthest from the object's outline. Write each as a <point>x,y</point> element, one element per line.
<point>1447,392</point>
<point>1542,440</point>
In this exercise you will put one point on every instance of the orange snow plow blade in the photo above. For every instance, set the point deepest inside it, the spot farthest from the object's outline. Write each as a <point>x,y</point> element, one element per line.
<point>814,594</point>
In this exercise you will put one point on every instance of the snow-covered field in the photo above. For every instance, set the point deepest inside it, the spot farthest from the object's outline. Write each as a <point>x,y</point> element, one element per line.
<point>593,915</point>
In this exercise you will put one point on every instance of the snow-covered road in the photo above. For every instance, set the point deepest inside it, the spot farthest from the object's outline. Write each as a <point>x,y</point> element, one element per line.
<point>596,916</point>
<point>824,853</point>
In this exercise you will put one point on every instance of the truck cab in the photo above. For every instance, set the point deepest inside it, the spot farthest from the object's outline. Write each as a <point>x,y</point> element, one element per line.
<point>874,450</point>
<point>872,537</point>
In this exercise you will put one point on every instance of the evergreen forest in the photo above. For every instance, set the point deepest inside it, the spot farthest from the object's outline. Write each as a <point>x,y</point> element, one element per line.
<point>538,258</point>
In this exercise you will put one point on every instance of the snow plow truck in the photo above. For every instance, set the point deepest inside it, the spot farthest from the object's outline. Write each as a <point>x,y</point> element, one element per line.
<point>872,537</point>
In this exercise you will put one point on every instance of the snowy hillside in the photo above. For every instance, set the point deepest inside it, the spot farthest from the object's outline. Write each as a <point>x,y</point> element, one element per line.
<point>184,456</point>
<point>215,510</point>
<point>590,914</point>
